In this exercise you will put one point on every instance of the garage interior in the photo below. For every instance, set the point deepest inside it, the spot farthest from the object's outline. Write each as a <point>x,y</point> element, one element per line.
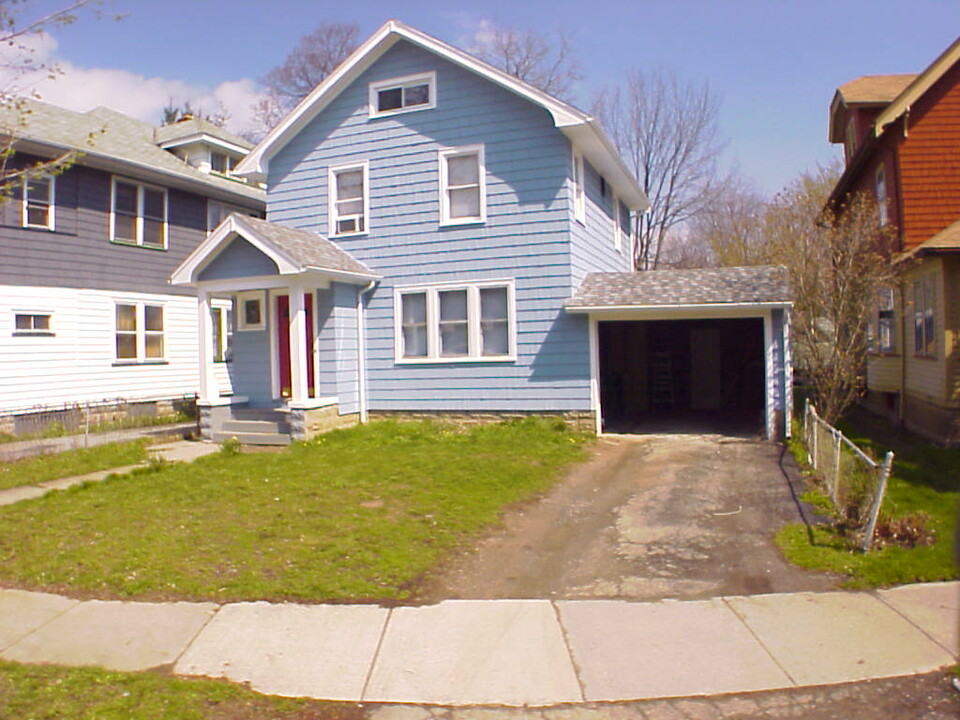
<point>703,375</point>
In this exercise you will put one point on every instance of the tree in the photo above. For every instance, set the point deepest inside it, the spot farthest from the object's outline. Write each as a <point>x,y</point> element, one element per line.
<point>667,132</point>
<point>729,226</point>
<point>173,113</point>
<point>537,58</point>
<point>316,55</point>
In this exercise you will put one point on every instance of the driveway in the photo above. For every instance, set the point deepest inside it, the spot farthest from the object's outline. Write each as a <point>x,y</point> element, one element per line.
<point>646,518</point>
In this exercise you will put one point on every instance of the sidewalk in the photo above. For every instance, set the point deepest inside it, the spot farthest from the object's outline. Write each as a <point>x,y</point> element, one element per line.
<point>502,652</point>
<point>39,446</point>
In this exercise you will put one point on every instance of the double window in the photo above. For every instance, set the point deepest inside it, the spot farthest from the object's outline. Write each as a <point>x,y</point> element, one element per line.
<point>38,202</point>
<point>138,214</point>
<point>463,197</point>
<point>32,324</point>
<point>403,94</point>
<point>139,332</point>
<point>924,330</point>
<point>446,323</point>
<point>349,199</point>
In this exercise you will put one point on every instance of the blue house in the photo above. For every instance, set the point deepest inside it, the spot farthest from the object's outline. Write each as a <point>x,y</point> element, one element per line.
<point>428,218</point>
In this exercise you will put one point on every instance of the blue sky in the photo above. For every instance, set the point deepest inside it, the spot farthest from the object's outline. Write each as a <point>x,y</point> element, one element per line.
<point>774,64</point>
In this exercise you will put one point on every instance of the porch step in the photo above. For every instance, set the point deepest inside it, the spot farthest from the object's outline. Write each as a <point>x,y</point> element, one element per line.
<point>255,426</point>
<point>252,438</point>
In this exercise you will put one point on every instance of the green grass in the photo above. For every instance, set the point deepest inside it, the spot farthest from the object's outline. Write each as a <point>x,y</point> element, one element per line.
<point>33,470</point>
<point>58,429</point>
<point>57,693</point>
<point>925,480</point>
<point>354,515</point>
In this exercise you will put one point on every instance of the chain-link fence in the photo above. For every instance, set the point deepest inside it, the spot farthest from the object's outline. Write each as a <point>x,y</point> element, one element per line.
<point>855,482</point>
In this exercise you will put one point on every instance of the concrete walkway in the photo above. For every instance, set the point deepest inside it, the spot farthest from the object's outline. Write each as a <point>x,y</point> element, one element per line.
<point>40,446</point>
<point>502,652</point>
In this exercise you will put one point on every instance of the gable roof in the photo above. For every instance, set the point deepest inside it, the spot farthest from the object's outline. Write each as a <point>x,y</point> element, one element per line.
<point>116,143</point>
<point>696,288</point>
<point>293,251</point>
<point>866,91</point>
<point>584,131</point>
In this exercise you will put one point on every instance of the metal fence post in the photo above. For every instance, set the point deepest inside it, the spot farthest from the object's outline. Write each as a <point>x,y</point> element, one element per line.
<point>836,467</point>
<point>877,502</point>
<point>86,424</point>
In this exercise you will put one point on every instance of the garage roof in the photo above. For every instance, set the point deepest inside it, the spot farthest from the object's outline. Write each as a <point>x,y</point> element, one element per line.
<point>702,287</point>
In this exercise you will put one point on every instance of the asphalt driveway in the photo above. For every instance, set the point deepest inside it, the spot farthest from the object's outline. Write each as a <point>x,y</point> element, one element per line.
<point>648,517</point>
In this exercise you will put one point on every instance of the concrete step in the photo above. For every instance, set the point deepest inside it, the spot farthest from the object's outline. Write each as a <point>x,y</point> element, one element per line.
<point>255,426</point>
<point>265,414</point>
<point>252,438</point>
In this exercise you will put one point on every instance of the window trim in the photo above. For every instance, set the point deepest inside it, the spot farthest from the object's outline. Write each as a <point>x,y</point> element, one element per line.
<point>404,81</point>
<point>141,333</point>
<point>240,315</point>
<point>222,330</point>
<point>579,188</point>
<point>925,316</point>
<point>474,337</point>
<point>617,230</point>
<point>332,199</point>
<point>139,217</point>
<point>51,204</point>
<point>33,332</point>
<point>443,156</point>
<point>886,317</point>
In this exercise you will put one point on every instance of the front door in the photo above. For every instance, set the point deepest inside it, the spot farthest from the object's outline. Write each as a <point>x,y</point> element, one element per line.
<point>283,343</point>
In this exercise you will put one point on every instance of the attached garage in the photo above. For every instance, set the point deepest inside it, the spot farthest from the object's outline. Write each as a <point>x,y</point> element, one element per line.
<point>689,350</point>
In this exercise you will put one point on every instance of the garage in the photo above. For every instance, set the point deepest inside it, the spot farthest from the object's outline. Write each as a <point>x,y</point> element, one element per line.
<point>703,350</point>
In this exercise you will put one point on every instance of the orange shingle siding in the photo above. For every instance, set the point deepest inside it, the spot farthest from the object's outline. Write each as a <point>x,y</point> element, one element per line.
<point>929,160</point>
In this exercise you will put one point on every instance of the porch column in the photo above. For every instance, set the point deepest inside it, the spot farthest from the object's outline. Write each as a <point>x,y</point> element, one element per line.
<point>208,383</point>
<point>298,346</point>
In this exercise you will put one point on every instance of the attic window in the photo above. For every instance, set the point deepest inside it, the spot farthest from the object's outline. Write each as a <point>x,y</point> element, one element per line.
<point>222,163</point>
<point>403,94</point>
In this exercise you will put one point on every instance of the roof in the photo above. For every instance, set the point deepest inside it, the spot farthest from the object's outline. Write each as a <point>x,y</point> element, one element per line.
<point>116,143</point>
<point>947,240</point>
<point>874,89</point>
<point>725,286</point>
<point>194,129</point>
<point>582,130</point>
<point>294,251</point>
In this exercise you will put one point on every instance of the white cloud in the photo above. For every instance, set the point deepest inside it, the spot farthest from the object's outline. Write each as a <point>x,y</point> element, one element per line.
<point>83,89</point>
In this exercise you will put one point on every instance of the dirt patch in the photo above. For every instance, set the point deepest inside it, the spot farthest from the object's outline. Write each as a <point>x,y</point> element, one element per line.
<point>646,518</point>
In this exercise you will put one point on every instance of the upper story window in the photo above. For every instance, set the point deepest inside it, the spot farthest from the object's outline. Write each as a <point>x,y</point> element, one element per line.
<point>924,329</point>
<point>579,189</point>
<point>38,202</point>
<point>222,163</point>
<point>139,332</point>
<point>617,228</point>
<point>138,214</point>
<point>403,94</point>
<point>850,139</point>
<point>881,188</point>
<point>349,199</point>
<point>463,195</point>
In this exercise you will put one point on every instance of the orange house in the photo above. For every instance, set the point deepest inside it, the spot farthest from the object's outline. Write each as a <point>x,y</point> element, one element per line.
<point>901,139</point>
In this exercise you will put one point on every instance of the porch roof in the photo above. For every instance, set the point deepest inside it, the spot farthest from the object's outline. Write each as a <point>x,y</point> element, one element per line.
<point>945,241</point>
<point>294,251</point>
<point>759,286</point>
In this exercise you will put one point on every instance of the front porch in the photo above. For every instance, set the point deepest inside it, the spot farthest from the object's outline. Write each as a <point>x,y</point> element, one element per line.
<point>223,419</point>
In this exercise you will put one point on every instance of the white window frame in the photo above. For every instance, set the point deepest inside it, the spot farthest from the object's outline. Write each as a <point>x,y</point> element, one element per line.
<point>222,330</point>
<point>140,333</point>
<point>925,316</point>
<point>33,331</point>
<point>50,203</point>
<point>332,198</point>
<point>139,217</point>
<point>474,337</point>
<point>578,188</point>
<point>428,78</point>
<point>443,156</point>
<point>240,314</point>
<point>617,230</point>
<point>880,183</point>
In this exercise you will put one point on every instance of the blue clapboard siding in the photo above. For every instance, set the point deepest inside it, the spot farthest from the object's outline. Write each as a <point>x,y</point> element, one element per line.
<point>250,365</point>
<point>239,259</point>
<point>592,244</point>
<point>526,239</point>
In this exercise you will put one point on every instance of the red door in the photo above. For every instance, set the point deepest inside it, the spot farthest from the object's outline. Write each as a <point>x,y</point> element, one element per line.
<point>283,343</point>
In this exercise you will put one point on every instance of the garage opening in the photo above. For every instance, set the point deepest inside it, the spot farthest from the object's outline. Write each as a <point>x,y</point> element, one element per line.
<point>682,376</point>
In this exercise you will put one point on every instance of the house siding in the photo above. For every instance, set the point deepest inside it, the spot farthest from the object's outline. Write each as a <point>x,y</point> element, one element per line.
<point>238,259</point>
<point>525,239</point>
<point>592,242</point>
<point>926,377</point>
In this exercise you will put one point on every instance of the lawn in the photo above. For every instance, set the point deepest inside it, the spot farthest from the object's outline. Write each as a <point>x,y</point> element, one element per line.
<point>57,693</point>
<point>925,481</point>
<point>353,515</point>
<point>33,470</point>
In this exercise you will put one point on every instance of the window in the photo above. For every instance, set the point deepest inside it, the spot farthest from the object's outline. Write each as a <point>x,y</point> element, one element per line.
<point>617,230</point>
<point>250,311</point>
<point>349,200</point>
<point>32,324</point>
<point>449,323</point>
<point>886,325</point>
<point>38,202</point>
<point>579,193</point>
<point>221,320</point>
<point>404,94</point>
<point>139,332</point>
<point>463,196</point>
<point>222,163</point>
<point>139,214</point>
<point>881,188</point>
<point>924,299</point>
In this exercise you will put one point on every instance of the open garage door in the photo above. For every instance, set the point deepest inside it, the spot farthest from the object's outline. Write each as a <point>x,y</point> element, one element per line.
<point>704,375</point>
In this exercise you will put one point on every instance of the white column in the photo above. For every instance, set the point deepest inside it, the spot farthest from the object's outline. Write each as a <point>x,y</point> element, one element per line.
<point>298,346</point>
<point>208,383</point>
<point>769,375</point>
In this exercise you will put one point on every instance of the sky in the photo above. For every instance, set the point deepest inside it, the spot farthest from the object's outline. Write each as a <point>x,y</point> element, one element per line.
<point>774,64</point>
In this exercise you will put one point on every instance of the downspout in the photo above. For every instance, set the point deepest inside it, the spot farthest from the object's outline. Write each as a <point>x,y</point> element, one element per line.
<point>362,353</point>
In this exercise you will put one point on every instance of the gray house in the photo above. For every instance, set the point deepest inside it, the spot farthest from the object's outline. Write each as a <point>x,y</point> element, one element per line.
<point>443,239</point>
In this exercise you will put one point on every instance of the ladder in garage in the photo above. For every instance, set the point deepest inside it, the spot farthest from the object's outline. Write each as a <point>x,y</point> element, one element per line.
<point>662,395</point>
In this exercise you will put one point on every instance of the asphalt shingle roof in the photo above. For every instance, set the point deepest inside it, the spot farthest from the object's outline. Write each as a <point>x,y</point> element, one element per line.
<point>702,286</point>
<point>303,247</point>
<point>947,239</point>
<point>871,89</point>
<point>197,126</point>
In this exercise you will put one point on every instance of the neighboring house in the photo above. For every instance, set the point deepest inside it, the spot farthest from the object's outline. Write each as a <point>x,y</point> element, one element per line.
<point>428,217</point>
<point>87,313</point>
<point>901,136</point>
